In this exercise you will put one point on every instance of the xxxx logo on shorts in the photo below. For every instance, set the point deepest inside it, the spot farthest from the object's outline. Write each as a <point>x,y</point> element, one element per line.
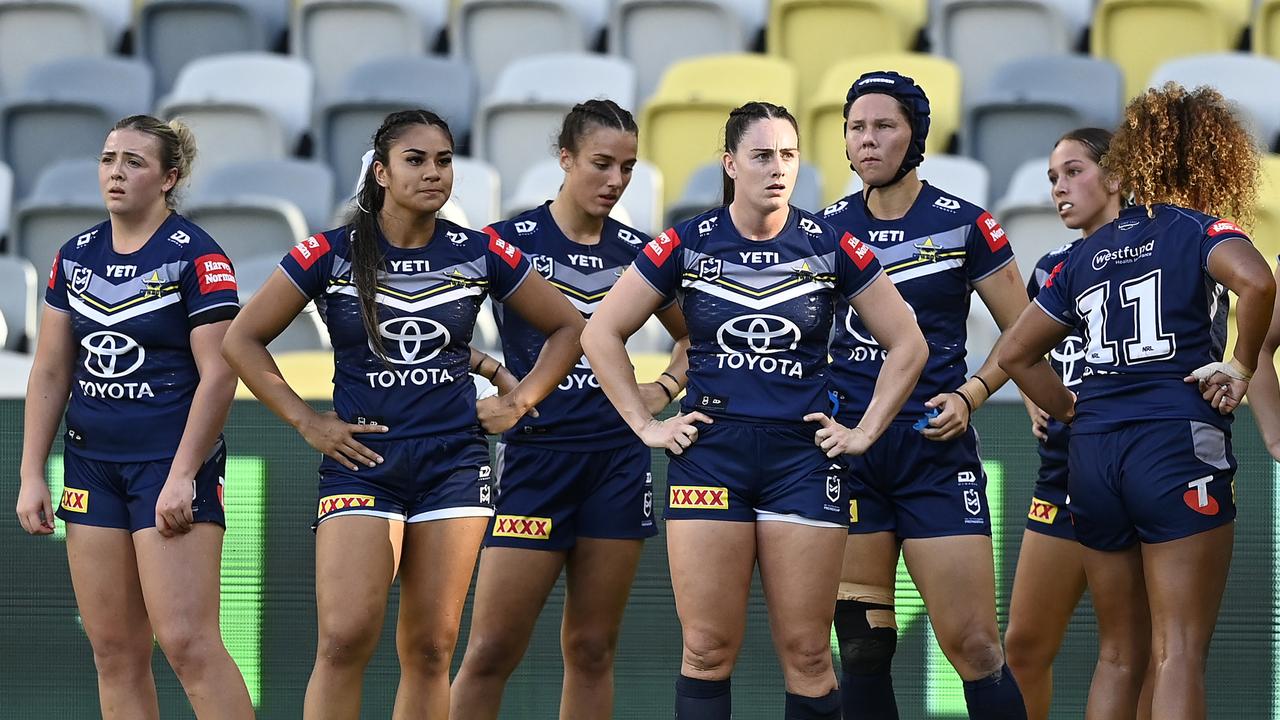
<point>690,497</point>
<point>1041,511</point>
<point>342,502</point>
<point>853,511</point>
<point>75,500</point>
<point>519,526</point>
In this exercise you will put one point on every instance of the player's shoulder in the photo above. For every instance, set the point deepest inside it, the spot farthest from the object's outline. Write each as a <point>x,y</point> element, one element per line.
<point>624,235</point>
<point>1189,220</point>
<point>313,248</point>
<point>1056,255</point>
<point>820,234</point>
<point>945,207</point>
<point>697,230</point>
<point>522,228</point>
<point>81,241</point>
<point>190,239</point>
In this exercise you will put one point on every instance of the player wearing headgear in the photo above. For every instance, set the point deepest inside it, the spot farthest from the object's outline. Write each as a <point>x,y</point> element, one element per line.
<point>1150,467</point>
<point>135,311</point>
<point>575,491</point>
<point>921,489</point>
<point>1050,577</point>
<point>399,289</point>
<point>757,280</point>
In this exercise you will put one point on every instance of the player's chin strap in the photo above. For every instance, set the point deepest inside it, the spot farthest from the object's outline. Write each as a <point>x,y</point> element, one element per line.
<point>1231,369</point>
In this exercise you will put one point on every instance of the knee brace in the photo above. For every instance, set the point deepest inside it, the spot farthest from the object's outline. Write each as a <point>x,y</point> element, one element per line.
<point>865,629</point>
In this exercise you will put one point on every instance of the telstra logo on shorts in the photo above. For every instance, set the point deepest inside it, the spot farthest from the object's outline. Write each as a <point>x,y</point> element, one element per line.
<point>1041,511</point>
<point>699,498</point>
<point>342,502</point>
<point>519,526</point>
<point>75,500</point>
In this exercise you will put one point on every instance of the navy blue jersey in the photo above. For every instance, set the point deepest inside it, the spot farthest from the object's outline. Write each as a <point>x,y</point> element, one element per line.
<point>576,413</point>
<point>1067,359</point>
<point>132,315</point>
<point>428,298</point>
<point>759,312</point>
<point>934,254</point>
<point>1140,293</point>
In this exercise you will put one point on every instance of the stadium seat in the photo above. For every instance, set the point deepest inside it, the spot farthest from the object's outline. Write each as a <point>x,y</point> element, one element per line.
<point>306,332</point>
<point>982,35</point>
<point>1248,80</point>
<point>19,288</point>
<point>653,34</point>
<point>1266,28</point>
<point>963,177</point>
<point>816,34</point>
<point>242,106</point>
<point>346,125</point>
<point>1031,103</point>
<point>338,36</point>
<point>172,33</point>
<point>682,126</point>
<point>1266,232</point>
<point>64,203</point>
<point>489,34</point>
<point>1139,35</point>
<point>643,198</point>
<point>6,200</point>
<point>116,17</point>
<point>35,32</point>
<point>247,225</point>
<point>701,192</point>
<point>823,127</point>
<point>477,190</point>
<point>307,185</point>
<point>517,123</point>
<point>65,109</point>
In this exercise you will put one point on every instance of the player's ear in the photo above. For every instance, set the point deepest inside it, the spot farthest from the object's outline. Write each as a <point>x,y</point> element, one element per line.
<point>566,159</point>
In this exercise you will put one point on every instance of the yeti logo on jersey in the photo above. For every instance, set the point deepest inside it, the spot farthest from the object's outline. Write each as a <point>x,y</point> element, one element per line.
<point>80,279</point>
<point>84,239</point>
<point>833,488</point>
<point>709,269</point>
<point>887,236</point>
<point>412,340</point>
<point>456,238</point>
<point>972,501</point>
<point>706,226</point>
<point>946,203</point>
<point>545,266</point>
<point>628,237</point>
<point>833,209</point>
<point>810,226</point>
<point>111,355</point>
<point>526,227</point>
<point>179,238</point>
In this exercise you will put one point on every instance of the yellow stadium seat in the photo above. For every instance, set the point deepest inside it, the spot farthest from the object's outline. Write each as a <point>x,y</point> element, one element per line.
<point>1266,28</point>
<point>682,126</point>
<point>822,138</point>
<point>815,34</point>
<point>1266,229</point>
<point>1139,35</point>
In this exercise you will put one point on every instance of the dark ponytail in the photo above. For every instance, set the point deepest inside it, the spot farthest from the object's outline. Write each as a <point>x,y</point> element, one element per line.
<point>739,120</point>
<point>586,116</point>
<point>366,257</point>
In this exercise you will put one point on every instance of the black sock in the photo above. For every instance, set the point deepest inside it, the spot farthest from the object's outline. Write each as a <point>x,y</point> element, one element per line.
<point>702,699</point>
<point>868,697</point>
<point>995,697</point>
<point>826,707</point>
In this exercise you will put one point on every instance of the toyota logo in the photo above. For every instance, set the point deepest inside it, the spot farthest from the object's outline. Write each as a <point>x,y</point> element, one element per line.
<point>112,355</point>
<point>859,331</point>
<point>417,340</point>
<point>1069,354</point>
<point>759,334</point>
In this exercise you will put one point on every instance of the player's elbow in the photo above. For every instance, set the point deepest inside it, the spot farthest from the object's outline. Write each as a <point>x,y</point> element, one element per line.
<point>1010,357</point>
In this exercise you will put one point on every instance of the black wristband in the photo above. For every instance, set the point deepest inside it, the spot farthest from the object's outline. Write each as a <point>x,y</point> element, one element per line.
<point>674,379</point>
<point>985,386</point>
<point>670,397</point>
<point>967,403</point>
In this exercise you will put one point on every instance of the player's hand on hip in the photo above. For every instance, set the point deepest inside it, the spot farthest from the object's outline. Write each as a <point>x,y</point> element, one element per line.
<point>952,419</point>
<point>335,438</point>
<point>835,439</point>
<point>174,511</point>
<point>499,413</point>
<point>674,434</point>
<point>1221,384</point>
<point>35,509</point>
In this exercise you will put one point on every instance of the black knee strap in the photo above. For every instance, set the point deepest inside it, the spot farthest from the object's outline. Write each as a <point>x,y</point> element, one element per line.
<point>864,650</point>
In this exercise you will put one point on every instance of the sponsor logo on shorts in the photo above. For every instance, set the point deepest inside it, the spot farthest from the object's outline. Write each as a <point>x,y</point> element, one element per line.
<point>833,488</point>
<point>1041,511</point>
<point>1198,498</point>
<point>853,510</point>
<point>75,500</point>
<point>972,501</point>
<point>696,498</point>
<point>648,495</point>
<point>519,526</point>
<point>333,503</point>
<point>966,477</point>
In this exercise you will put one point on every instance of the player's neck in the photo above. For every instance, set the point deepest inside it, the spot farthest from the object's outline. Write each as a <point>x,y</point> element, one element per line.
<point>893,202</point>
<point>753,225</point>
<point>574,222</point>
<point>130,232</point>
<point>406,230</point>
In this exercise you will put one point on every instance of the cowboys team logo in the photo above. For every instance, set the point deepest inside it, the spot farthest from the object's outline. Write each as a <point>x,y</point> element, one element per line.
<point>709,269</point>
<point>926,251</point>
<point>545,266</point>
<point>411,340</point>
<point>758,334</point>
<point>111,355</point>
<point>80,279</point>
<point>154,285</point>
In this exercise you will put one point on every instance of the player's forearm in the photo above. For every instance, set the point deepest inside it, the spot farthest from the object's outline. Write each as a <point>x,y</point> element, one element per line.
<point>1253,318</point>
<point>559,354</point>
<point>607,352</point>
<point>1041,385</point>
<point>209,408</point>
<point>47,392</point>
<point>678,366</point>
<point>1264,397</point>
<point>898,377</point>
<point>254,365</point>
<point>988,379</point>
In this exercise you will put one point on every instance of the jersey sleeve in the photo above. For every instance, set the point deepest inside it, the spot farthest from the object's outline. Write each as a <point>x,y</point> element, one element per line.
<point>644,241</point>
<point>856,266</point>
<point>208,284</point>
<point>1218,232</point>
<point>508,267</point>
<point>307,265</point>
<point>988,248</point>
<point>55,293</point>
<point>1039,274</point>
<point>659,264</point>
<point>1055,297</point>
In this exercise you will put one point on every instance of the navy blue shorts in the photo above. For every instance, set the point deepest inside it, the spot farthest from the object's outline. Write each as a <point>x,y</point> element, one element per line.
<point>753,471</point>
<point>919,488</point>
<point>547,499</point>
<point>124,495</point>
<point>420,479</point>
<point>1152,482</point>
<point>1048,512</point>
